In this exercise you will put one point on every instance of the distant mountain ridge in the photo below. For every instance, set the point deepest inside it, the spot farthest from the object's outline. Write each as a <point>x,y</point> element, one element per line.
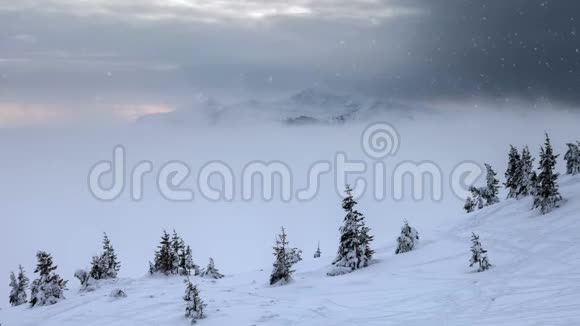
<point>306,107</point>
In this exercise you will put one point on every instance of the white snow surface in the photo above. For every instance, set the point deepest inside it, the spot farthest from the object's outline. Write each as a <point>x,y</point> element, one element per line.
<point>534,281</point>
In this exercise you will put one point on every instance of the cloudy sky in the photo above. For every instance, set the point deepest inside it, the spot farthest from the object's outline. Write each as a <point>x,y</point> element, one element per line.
<point>68,59</point>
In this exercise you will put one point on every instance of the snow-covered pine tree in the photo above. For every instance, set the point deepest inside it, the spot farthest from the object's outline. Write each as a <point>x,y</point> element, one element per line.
<point>406,241</point>
<point>477,197</point>
<point>23,282</point>
<point>513,173</point>
<point>182,262</point>
<point>295,255</point>
<point>211,271</point>
<point>106,265</point>
<point>177,251</point>
<point>14,290</point>
<point>354,250</point>
<point>470,204</point>
<point>478,254</point>
<point>49,288</point>
<point>164,256</point>
<point>483,196</point>
<point>366,242</point>
<point>282,271</point>
<point>196,269</point>
<point>534,184</point>
<point>492,186</point>
<point>88,283</point>
<point>18,286</point>
<point>317,253</point>
<point>194,305</point>
<point>572,158</point>
<point>526,186</point>
<point>97,267</point>
<point>547,196</point>
<point>112,263</point>
<point>186,264</point>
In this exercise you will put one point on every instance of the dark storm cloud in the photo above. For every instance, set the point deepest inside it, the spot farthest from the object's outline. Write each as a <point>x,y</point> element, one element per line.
<point>521,48</point>
<point>409,49</point>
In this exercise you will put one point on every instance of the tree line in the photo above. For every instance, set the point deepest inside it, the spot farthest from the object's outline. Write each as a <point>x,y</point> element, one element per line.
<point>523,181</point>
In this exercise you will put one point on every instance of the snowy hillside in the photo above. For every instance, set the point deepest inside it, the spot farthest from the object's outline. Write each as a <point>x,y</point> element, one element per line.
<point>534,281</point>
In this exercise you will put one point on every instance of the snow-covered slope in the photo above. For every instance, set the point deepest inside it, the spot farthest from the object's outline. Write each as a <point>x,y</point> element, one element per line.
<point>534,281</point>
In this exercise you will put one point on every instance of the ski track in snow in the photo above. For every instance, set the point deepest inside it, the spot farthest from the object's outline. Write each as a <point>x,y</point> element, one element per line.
<point>534,281</point>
